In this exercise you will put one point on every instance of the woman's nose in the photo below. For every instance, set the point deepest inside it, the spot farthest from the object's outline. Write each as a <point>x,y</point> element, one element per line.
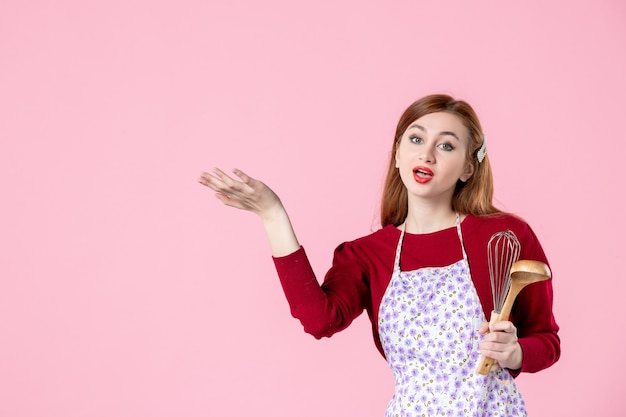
<point>426,155</point>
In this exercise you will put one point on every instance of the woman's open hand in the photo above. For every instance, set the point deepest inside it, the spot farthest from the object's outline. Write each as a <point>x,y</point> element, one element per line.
<point>250,194</point>
<point>246,193</point>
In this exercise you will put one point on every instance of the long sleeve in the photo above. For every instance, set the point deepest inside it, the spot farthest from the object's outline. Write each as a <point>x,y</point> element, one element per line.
<point>328,308</point>
<point>533,317</point>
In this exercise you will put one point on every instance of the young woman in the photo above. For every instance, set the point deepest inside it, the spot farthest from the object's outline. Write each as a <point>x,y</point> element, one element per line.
<point>423,277</point>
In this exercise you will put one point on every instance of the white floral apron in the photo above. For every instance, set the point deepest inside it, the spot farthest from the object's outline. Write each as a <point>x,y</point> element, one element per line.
<point>428,325</point>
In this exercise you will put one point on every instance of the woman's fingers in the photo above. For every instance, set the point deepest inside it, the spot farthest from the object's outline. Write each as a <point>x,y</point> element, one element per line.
<point>498,340</point>
<point>229,184</point>
<point>501,344</point>
<point>216,183</point>
<point>248,184</point>
<point>484,327</point>
<point>503,332</point>
<point>244,192</point>
<point>242,175</point>
<point>503,326</point>
<point>219,181</point>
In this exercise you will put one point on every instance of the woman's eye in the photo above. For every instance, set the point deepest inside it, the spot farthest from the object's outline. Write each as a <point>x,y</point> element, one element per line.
<point>415,139</point>
<point>446,147</point>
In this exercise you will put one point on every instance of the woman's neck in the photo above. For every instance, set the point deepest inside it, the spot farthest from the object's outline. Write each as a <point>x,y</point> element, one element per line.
<point>423,219</point>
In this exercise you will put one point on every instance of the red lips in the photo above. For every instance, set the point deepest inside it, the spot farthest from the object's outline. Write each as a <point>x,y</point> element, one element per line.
<point>422,174</point>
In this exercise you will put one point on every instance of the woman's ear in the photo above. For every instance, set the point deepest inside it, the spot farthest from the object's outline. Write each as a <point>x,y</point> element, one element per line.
<point>467,172</point>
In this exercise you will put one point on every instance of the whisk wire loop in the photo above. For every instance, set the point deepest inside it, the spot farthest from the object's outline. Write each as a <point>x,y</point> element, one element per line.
<point>503,250</point>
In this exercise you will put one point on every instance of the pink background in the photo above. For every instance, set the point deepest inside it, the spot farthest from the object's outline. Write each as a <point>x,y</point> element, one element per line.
<point>127,290</point>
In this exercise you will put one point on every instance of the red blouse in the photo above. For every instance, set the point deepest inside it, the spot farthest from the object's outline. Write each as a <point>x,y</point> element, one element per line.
<point>362,269</point>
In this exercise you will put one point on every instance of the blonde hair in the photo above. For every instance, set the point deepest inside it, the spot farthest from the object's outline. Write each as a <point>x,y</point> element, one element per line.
<point>475,196</point>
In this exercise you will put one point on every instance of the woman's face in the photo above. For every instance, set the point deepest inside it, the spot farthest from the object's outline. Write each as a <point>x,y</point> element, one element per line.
<point>431,156</point>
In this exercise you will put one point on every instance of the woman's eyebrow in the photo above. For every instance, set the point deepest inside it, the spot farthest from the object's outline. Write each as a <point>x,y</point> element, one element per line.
<point>445,132</point>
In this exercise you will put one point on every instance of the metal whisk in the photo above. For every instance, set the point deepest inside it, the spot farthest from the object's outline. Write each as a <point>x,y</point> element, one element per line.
<point>503,250</point>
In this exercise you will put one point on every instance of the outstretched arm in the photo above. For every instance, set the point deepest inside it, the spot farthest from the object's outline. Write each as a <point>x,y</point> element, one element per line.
<point>252,195</point>
<point>322,311</point>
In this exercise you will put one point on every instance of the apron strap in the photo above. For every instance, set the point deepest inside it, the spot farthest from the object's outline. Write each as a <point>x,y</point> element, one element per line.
<point>396,262</point>
<point>458,230</point>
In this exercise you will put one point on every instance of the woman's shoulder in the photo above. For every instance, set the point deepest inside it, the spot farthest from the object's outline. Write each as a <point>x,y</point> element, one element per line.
<point>496,220</point>
<point>385,234</point>
<point>382,240</point>
<point>493,223</point>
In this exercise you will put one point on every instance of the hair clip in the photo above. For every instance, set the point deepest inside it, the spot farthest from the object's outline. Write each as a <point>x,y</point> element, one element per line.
<point>480,155</point>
